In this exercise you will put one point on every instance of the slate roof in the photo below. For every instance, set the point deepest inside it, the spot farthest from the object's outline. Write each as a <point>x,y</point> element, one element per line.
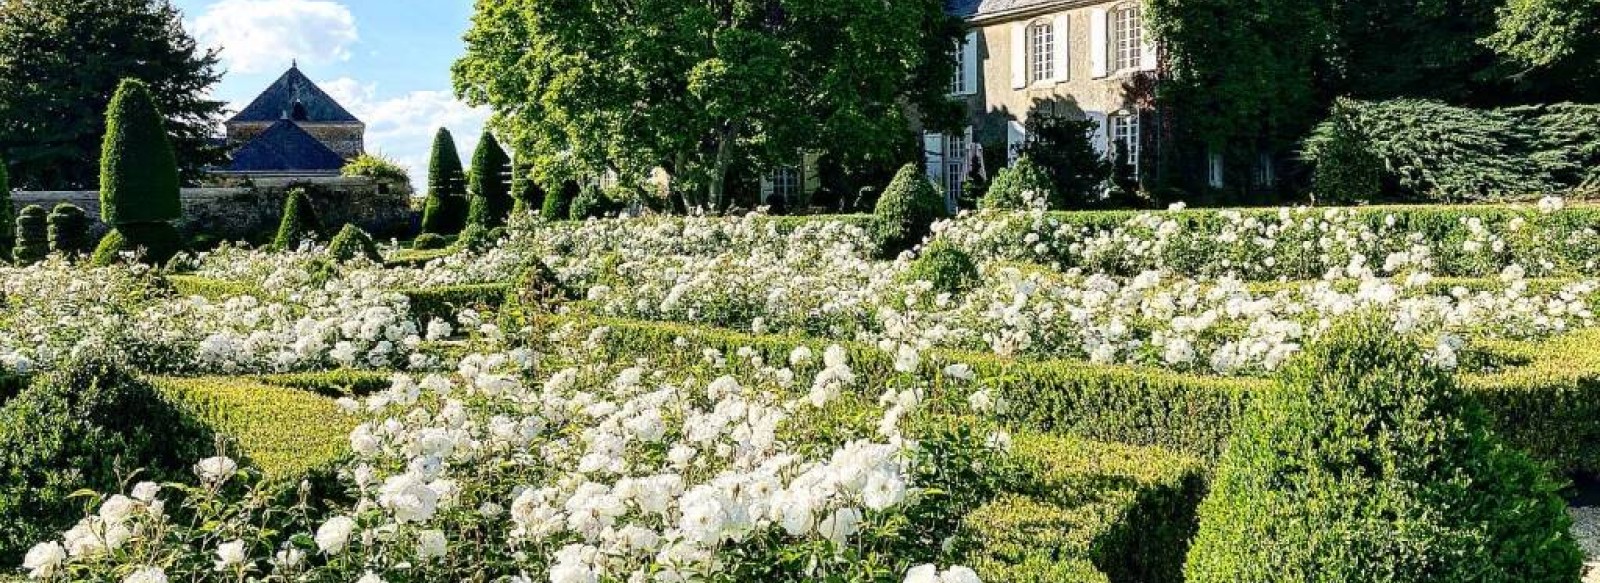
<point>285,147</point>
<point>278,102</point>
<point>981,8</point>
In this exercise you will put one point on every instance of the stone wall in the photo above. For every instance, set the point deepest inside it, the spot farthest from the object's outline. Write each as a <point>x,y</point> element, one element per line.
<point>251,213</point>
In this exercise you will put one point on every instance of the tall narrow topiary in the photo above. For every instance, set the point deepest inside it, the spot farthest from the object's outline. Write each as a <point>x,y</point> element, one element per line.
<point>526,194</point>
<point>8,217</point>
<point>446,209</point>
<point>489,188</point>
<point>907,209</point>
<point>33,242</point>
<point>139,175</point>
<point>299,223</point>
<point>558,204</point>
<point>69,230</point>
<point>1368,464</point>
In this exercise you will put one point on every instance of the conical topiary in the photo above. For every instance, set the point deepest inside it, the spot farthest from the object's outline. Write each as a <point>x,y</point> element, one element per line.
<point>558,204</point>
<point>69,230</point>
<point>489,189</point>
<point>526,194</point>
<point>299,223</point>
<point>8,218</point>
<point>1367,464</point>
<point>33,243</point>
<point>138,170</point>
<point>907,209</point>
<point>446,210</point>
<point>352,242</point>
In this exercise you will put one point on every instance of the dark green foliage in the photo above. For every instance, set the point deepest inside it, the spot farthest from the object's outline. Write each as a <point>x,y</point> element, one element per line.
<point>33,242</point>
<point>65,59</point>
<point>299,222</point>
<point>498,233</point>
<point>1552,45</point>
<point>908,207</point>
<point>1347,171</point>
<point>446,210</point>
<point>946,266</point>
<point>589,204</point>
<point>1019,183</point>
<point>89,425</point>
<point>527,196</point>
<point>138,169</point>
<point>430,241</point>
<point>156,242</point>
<point>1062,147</point>
<point>558,204</point>
<point>443,303</point>
<point>488,189</point>
<point>8,218</point>
<point>69,230</point>
<point>352,242</point>
<point>473,238</point>
<point>1368,465</point>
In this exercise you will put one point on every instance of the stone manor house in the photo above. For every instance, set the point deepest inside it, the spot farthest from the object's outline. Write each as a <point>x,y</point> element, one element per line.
<point>293,129</point>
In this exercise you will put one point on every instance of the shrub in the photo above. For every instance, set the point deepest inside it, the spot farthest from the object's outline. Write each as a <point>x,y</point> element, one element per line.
<point>429,242</point>
<point>155,242</point>
<point>88,425</point>
<point>8,218</point>
<point>490,194</point>
<point>946,266</point>
<point>352,242</point>
<point>1346,170</point>
<point>69,230</point>
<point>446,209</point>
<point>377,167</point>
<point>109,250</point>
<point>138,170</point>
<point>474,238</point>
<point>908,207</point>
<point>299,223</point>
<point>33,242</point>
<point>1369,465</point>
<point>1062,148</point>
<point>1022,185</point>
<point>526,194</point>
<point>589,204</point>
<point>558,205</point>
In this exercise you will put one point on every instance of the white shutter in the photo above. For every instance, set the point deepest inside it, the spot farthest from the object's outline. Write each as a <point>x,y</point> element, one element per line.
<point>933,150</point>
<point>1102,133</point>
<point>1097,43</point>
<point>1016,137</point>
<point>969,64</point>
<point>1063,46</point>
<point>1148,52</point>
<point>1216,169</point>
<point>1019,55</point>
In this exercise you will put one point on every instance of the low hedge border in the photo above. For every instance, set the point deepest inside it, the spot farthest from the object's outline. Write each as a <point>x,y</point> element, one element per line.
<point>1088,511</point>
<point>1547,406</point>
<point>445,302</point>
<point>288,433</point>
<point>337,383</point>
<point>210,288</point>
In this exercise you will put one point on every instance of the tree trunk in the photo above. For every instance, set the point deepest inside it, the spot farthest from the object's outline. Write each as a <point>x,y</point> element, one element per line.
<point>719,169</point>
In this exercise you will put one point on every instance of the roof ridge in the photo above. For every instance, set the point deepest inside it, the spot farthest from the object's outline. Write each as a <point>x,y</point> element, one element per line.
<point>277,101</point>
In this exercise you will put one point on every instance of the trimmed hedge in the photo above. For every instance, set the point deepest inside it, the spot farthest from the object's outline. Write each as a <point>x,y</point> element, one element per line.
<point>299,222</point>
<point>352,242</point>
<point>211,289</point>
<point>1087,511</point>
<point>138,169</point>
<point>287,433</point>
<point>946,266</point>
<point>335,383</point>
<point>33,242</point>
<point>68,230</point>
<point>445,302</point>
<point>159,242</point>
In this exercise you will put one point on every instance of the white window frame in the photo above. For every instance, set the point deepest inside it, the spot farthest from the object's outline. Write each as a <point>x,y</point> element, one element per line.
<point>786,183</point>
<point>1127,38</point>
<point>957,151</point>
<point>958,82</point>
<point>1041,51</point>
<point>1125,135</point>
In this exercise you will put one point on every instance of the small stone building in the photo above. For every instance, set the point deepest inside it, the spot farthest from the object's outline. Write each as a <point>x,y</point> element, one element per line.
<point>293,128</point>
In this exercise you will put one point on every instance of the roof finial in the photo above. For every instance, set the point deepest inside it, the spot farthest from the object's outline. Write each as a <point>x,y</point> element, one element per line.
<point>294,63</point>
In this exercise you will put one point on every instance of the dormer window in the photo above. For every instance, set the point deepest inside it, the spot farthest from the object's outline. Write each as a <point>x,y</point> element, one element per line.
<point>298,112</point>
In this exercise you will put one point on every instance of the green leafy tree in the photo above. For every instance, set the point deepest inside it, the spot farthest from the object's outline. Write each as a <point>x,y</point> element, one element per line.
<point>1555,43</point>
<point>1369,465</point>
<point>60,63</point>
<point>446,210</point>
<point>701,88</point>
<point>488,186</point>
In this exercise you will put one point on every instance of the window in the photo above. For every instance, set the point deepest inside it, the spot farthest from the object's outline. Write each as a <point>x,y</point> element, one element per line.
<point>955,165</point>
<point>958,83</point>
<point>1041,51</point>
<point>1266,176</point>
<point>1125,136</point>
<point>786,183</point>
<point>1127,38</point>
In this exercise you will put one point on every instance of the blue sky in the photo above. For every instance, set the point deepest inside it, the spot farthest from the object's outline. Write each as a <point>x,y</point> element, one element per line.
<point>387,61</point>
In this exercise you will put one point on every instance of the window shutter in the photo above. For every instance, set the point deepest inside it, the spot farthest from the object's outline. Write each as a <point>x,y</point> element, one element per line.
<point>811,173</point>
<point>766,189</point>
<point>1216,169</point>
<point>1098,43</point>
<point>1016,137</point>
<point>1148,52</point>
<point>933,150</point>
<point>1019,56</point>
<point>1063,48</point>
<point>1102,133</point>
<point>969,64</point>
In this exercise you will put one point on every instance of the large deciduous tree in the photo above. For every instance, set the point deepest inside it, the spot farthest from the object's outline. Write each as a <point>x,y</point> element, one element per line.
<point>700,88</point>
<point>1553,45</point>
<point>60,62</point>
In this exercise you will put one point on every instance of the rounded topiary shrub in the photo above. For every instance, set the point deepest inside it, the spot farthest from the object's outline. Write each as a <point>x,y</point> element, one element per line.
<point>1346,168</point>
<point>1023,185</point>
<point>474,238</point>
<point>33,242</point>
<point>84,426</point>
<point>299,223</point>
<point>1368,464</point>
<point>906,210</point>
<point>69,230</point>
<point>352,242</point>
<point>590,204</point>
<point>946,266</point>
<point>558,204</point>
<point>429,242</point>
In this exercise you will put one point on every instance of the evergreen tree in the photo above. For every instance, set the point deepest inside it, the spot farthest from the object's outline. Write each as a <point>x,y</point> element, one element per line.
<point>446,209</point>
<point>488,187</point>
<point>1062,147</point>
<point>525,190</point>
<point>139,175</point>
<point>60,63</point>
<point>299,223</point>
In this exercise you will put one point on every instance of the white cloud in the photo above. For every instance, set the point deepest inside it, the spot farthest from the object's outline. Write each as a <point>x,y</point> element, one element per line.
<point>403,127</point>
<point>262,35</point>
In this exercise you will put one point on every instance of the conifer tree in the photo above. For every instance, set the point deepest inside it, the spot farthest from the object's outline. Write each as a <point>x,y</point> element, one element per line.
<point>488,188</point>
<point>446,210</point>
<point>139,176</point>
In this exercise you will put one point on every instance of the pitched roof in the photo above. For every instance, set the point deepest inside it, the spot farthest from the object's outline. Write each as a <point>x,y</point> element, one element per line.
<point>983,8</point>
<point>279,100</point>
<point>284,147</point>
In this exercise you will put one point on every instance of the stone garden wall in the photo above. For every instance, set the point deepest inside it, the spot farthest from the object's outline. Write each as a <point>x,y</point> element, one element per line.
<point>251,213</point>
